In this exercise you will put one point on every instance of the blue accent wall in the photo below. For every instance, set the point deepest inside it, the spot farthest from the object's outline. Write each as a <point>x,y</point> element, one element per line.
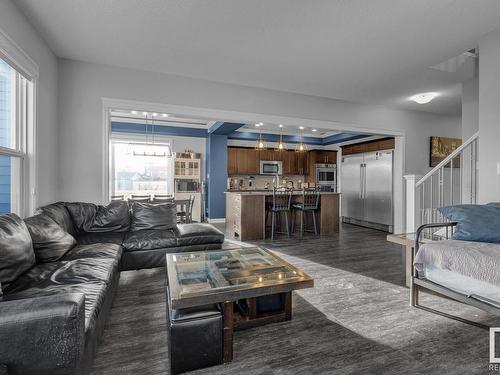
<point>216,169</point>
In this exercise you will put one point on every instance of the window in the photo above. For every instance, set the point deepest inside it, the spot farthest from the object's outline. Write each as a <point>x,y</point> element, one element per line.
<point>140,168</point>
<point>15,107</point>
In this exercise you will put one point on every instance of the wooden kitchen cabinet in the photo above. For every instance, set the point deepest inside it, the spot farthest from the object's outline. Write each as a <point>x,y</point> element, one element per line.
<point>251,161</point>
<point>232,161</point>
<point>319,157</point>
<point>376,145</point>
<point>242,160</point>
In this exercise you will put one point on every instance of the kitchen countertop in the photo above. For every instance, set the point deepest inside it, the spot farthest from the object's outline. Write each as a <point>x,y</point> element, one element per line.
<point>270,192</point>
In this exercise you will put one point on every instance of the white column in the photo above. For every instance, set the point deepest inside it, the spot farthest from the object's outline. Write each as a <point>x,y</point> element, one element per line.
<point>489,117</point>
<point>412,203</point>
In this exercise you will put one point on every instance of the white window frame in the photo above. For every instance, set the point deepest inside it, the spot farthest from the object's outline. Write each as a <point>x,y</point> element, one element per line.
<point>132,138</point>
<point>26,149</point>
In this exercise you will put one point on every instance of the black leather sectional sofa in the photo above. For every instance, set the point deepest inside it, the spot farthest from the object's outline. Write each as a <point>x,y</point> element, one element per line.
<point>59,271</point>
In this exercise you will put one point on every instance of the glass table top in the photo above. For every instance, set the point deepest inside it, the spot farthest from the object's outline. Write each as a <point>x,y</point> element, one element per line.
<point>206,272</point>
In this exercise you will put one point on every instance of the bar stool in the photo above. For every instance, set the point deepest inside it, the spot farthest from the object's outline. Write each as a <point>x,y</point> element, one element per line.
<point>282,199</point>
<point>310,203</point>
<point>118,197</point>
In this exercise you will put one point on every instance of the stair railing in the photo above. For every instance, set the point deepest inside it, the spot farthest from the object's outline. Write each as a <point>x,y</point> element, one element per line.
<point>453,181</point>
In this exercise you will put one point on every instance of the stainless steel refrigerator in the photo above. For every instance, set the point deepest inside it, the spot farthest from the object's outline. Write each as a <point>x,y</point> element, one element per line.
<point>367,189</point>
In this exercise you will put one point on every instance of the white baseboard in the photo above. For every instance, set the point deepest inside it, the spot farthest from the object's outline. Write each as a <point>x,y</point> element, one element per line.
<point>222,220</point>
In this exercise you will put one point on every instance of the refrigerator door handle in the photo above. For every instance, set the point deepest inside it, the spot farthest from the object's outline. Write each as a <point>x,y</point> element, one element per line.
<point>364,180</point>
<point>361,181</point>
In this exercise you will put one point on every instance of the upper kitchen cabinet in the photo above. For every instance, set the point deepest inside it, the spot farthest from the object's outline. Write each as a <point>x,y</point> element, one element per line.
<point>232,161</point>
<point>377,145</point>
<point>319,157</point>
<point>242,161</point>
<point>246,161</point>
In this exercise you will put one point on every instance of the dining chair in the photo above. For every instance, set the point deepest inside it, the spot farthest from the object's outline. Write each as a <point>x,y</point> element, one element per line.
<point>140,198</point>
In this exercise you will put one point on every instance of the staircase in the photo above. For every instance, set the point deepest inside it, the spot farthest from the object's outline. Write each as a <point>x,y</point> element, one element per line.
<point>453,181</point>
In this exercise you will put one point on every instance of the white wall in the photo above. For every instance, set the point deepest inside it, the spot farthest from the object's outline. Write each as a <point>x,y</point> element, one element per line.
<point>470,108</point>
<point>16,26</point>
<point>489,117</point>
<point>82,85</point>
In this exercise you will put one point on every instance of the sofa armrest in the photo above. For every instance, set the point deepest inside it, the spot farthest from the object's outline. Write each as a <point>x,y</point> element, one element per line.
<point>42,335</point>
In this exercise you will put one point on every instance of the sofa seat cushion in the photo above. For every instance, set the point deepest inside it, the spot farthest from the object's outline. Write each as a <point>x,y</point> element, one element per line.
<point>95,250</point>
<point>198,234</point>
<point>45,275</point>
<point>95,295</point>
<point>104,237</point>
<point>149,240</point>
<point>50,241</point>
<point>16,249</point>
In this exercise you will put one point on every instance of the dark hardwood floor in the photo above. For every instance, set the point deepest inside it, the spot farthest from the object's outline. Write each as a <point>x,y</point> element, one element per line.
<point>356,320</point>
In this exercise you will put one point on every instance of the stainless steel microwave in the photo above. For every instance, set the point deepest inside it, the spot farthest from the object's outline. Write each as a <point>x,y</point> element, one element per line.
<point>268,167</point>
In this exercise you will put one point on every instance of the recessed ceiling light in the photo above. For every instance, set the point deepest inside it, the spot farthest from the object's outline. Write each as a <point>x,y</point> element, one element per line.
<point>164,114</point>
<point>133,112</point>
<point>155,114</point>
<point>424,97</point>
<point>280,125</point>
<point>301,127</point>
<point>145,113</point>
<point>314,130</point>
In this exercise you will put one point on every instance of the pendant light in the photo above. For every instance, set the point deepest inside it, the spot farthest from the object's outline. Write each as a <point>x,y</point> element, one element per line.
<point>280,146</point>
<point>144,149</point>
<point>301,146</point>
<point>260,144</point>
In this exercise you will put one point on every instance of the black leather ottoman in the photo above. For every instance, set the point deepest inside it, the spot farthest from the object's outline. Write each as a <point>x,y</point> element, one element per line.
<point>195,337</point>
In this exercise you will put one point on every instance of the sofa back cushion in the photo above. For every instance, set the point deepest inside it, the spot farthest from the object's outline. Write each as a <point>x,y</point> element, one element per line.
<point>50,241</point>
<point>60,214</point>
<point>89,217</point>
<point>16,249</point>
<point>160,216</point>
<point>480,223</point>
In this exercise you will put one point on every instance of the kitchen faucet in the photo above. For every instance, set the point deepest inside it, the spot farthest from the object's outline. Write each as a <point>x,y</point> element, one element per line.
<point>276,181</point>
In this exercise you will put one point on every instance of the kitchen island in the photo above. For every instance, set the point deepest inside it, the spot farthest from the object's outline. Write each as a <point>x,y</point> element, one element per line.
<point>246,213</point>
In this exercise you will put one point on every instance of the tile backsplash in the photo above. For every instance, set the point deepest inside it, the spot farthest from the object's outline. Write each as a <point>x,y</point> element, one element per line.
<point>259,182</point>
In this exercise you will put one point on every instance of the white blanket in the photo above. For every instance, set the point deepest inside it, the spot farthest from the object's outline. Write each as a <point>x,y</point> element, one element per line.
<point>478,260</point>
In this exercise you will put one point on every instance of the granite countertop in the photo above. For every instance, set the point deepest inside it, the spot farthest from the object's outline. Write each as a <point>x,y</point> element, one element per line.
<point>270,192</point>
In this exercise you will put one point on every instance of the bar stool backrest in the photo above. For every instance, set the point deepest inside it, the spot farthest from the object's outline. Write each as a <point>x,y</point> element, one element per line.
<point>282,199</point>
<point>190,208</point>
<point>118,197</point>
<point>140,198</point>
<point>162,198</point>
<point>310,198</point>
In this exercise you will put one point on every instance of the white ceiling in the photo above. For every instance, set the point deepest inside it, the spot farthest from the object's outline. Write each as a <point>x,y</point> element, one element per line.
<point>376,51</point>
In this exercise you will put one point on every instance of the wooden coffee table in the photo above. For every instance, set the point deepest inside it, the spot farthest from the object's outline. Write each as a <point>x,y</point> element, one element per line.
<point>234,278</point>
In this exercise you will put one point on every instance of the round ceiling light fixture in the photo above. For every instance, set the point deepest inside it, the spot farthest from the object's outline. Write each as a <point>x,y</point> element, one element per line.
<point>424,97</point>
